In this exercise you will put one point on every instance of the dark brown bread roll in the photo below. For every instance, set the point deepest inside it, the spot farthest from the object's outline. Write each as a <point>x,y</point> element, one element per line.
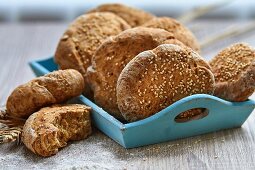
<point>52,127</point>
<point>112,56</point>
<point>83,36</point>
<point>156,78</point>
<point>234,71</point>
<point>55,87</point>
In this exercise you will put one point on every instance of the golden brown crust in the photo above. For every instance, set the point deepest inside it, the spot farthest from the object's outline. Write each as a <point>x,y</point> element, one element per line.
<point>83,36</point>
<point>234,71</point>
<point>134,17</point>
<point>112,56</point>
<point>180,32</point>
<point>55,87</point>
<point>52,127</point>
<point>156,78</point>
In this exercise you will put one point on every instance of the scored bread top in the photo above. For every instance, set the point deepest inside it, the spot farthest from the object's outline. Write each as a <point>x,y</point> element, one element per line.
<point>132,16</point>
<point>112,56</point>
<point>157,78</point>
<point>180,32</point>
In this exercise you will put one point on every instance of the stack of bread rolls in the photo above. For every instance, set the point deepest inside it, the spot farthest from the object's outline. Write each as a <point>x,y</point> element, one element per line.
<point>132,64</point>
<point>147,62</point>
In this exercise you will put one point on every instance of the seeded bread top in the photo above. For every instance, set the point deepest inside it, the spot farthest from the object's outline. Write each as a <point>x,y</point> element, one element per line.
<point>231,62</point>
<point>156,78</point>
<point>112,56</point>
<point>83,36</point>
<point>233,69</point>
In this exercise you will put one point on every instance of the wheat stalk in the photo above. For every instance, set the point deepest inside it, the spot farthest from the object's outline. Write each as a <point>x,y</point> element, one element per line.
<point>8,135</point>
<point>10,127</point>
<point>229,33</point>
<point>197,12</point>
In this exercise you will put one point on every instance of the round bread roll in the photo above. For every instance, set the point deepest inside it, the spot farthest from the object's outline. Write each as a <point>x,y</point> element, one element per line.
<point>112,56</point>
<point>234,71</point>
<point>180,32</point>
<point>52,127</point>
<point>83,36</point>
<point>132,16</point>
<point>157,78</point>
<point>55,87</point>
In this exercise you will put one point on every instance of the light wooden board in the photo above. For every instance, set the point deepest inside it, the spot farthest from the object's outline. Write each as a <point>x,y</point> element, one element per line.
<point>229,149</point>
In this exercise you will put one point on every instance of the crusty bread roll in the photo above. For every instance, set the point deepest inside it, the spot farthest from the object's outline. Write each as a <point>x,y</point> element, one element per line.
<point>134,17</point>
<point>52,127</point>
<point>55,87</point>
<point>234,71</point>
<point>112,56</point>
<point>156,78</point>
<point>82,38</point>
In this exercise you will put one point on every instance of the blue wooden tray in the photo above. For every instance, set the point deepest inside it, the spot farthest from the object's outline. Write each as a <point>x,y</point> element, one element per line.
<point>162,126</point>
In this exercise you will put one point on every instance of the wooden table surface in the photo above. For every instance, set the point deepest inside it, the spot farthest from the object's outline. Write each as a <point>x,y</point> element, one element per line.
<point>229,149</point>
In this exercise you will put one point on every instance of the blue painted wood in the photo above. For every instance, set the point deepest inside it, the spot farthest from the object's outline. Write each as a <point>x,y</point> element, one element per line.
<point>162,126</point>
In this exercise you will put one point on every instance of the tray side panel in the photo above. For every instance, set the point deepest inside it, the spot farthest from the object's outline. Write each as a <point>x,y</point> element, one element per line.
<point>164,128</point>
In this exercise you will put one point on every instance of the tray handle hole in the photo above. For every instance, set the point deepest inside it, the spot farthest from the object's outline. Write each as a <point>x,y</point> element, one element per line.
<point>192,114</point>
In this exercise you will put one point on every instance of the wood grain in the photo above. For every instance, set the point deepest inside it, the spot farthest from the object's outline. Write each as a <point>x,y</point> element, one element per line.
<point>229,149</point>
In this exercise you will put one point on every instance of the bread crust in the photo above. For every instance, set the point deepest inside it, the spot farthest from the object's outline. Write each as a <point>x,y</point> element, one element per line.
<point>134,17</point>
<point>234,71</point>
<point>52,127</point>
<point>156,78</point>
<point>83,36</point>
<point>112,56</point>
<point>55,87</point>
<point>180,32</point>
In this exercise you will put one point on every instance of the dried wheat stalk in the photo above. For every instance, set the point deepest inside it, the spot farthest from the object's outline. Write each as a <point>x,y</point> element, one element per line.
<point>197,12</point>
<point>10,127</point>
<point>225,34</point>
